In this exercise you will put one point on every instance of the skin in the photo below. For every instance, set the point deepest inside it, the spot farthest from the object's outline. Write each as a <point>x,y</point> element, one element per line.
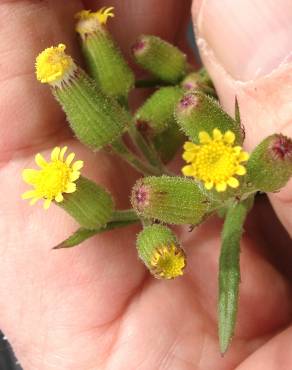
<point>95,306</point>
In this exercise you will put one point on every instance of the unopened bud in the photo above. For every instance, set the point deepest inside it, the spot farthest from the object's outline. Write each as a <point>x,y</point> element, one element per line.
<point>161,58</point>
<point>198,112</point>
<point>169,142</point>
<point>159,249</point>
<point>198,81</point>
<point>157,113</point>
<point>270,164</point>
<point>172,200</point>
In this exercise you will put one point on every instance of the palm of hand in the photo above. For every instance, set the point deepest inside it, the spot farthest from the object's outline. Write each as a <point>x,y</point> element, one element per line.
<point>95,306</point>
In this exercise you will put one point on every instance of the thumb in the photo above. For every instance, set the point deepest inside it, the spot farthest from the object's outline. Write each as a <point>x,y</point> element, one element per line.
<point>246,47</point>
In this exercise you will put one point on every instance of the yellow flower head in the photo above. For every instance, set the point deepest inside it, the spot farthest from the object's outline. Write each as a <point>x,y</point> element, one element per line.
<point>54,65</point>
<point>215,161</point>
<point>89,22</point>
<point>168,262</point>
<point>53,179</point>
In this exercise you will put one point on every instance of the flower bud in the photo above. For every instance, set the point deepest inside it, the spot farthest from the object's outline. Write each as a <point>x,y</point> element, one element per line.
<point>158,248</point>
<point>159,57</point>
<point>90,205</point>
<point>199,81</point>
<point>96,120</point>
<point>104,60</point>
<point>169,142</point>
<point>173,200</point>
<point>270,164</point>
<point>157,113</point>
<point>198,112</point>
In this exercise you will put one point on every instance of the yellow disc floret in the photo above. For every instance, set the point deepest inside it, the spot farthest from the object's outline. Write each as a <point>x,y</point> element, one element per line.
<point>168,262</point>
<point>53,64</point>
<point>89,22</point>
<point>215,161</point>
<point>54,178</point>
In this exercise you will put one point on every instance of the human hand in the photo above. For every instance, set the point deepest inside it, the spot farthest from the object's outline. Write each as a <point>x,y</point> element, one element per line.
<point>95,306</point>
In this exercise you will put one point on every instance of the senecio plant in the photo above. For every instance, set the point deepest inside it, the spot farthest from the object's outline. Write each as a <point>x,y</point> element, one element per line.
<point>218,175</point>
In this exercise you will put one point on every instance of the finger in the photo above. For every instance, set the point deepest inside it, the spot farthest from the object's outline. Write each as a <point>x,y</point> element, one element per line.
<point>273,355</point>
<point>246,47</point>
<point>28,113</point>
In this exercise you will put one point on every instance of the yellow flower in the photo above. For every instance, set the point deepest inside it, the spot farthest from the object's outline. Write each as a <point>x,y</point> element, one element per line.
<point>54,65</point>
<point>167,262</point>
<point>215,161</point>
<point>53,179</point>
<point>90,21</point>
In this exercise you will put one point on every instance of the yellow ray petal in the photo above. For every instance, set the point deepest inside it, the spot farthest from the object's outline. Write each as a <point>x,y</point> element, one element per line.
<point>209,185</point>
<point>241,170</point>
<point>70,188</point>
<point>188,156</point>
<point>229,137</point>
<point>221,186</point>
<point>47,203</point>
<point>204,137</point>
<point>55,153</point>
<point>70,159</point>
<point>30,176</point>
<point>33,201</point>
<point>62,153</point>
<point>76,166</point>
<point>217,134</point>
<point>243,156</point>
<point>59,198</point>
<point>74,176</point>
<point>189,146</point>
<point>40,160</point>
<point>188,170</point>
<point>28,194</point>
<point>233,182</point>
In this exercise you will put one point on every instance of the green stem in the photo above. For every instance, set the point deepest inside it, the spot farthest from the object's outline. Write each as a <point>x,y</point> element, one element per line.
<point>229,271</point>
<point>120,148</point>
<point>149,152</point>
<point>125,215</point>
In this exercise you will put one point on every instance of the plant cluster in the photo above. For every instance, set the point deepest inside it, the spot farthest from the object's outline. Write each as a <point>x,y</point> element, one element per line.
<point>218,176</point>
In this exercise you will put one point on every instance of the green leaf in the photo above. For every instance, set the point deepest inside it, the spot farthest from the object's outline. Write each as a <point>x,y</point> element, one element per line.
<point>83,234</point>
<point>229,271</point>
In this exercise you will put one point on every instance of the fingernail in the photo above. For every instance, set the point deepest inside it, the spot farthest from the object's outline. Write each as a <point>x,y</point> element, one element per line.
<point>249,38</point>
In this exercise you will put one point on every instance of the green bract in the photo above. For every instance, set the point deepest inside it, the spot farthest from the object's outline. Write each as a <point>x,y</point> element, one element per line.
<point>91,205</point>
<point>97,120</point>
<point>159,57</point>
<point>106,64</point>
<point>173,200</point>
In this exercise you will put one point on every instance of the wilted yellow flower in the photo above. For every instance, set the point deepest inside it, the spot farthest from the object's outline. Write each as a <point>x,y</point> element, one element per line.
<point>215,161</point>
<point>54,65</point>
<point>90,21</point>
<point>54,178</point>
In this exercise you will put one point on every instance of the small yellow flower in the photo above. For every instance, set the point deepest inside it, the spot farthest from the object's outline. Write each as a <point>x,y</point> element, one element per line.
<point>215,161</point>
<point>54,65</point>
<point>168,262</point>
<point>89,22</point>
<point>53,179</point>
